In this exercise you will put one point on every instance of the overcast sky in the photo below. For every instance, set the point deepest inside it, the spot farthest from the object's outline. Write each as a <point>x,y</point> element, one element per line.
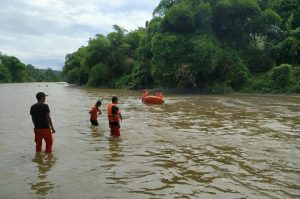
<point>42,32</point>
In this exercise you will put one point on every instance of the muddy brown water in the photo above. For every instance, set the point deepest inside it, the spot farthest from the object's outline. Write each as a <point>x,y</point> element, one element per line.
<point>193,146</point>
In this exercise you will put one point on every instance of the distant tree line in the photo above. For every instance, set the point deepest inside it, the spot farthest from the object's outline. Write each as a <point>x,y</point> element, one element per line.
<point>217,45</point>
<point>13,70</point>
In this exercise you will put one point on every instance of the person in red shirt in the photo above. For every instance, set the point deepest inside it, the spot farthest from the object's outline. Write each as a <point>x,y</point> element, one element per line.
<point>94,112</point>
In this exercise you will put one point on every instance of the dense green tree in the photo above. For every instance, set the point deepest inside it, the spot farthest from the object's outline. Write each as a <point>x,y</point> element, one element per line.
<point>204,57</point>
<point>164,6</point>
<point>98,50</point>
<point>5,75</point>
<point>218,45</point>
<point>235,21</point>
<point>179,18</point>
<point>167,51</point>
<point>17,69</point>
<point>203,17</point>
<point>13,70</point>
<point>75,70</point>
<point>289,51</point>
<point>99,75</point>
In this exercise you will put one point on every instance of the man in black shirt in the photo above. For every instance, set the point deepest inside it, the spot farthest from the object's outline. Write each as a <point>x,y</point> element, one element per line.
<point>43,128</point>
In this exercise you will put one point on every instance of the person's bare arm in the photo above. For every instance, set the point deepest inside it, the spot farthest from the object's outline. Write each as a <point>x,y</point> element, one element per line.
<point>50,122</point>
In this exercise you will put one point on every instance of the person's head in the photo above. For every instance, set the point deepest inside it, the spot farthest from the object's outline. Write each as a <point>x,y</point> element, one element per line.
<point>145,91</point>
<point>41,96</point>
<point>114,99</point>
<point>98,103</point>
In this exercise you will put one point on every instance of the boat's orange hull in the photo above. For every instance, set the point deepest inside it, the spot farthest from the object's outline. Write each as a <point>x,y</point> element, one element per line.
<point>153,100</point>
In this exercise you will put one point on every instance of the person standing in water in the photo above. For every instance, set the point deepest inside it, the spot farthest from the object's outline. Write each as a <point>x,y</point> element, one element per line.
<point>114,117</point>
<point>94,112</point>
<point>145,94</point>
<point>43,127</point>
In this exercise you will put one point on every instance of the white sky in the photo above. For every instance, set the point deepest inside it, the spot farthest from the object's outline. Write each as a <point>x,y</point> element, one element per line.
<point>42,32</point>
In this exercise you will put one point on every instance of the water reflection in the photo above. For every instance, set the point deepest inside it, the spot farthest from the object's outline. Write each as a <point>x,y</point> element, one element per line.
<point>116,149</point>
<point>96,133</point>
<point>44,162</point>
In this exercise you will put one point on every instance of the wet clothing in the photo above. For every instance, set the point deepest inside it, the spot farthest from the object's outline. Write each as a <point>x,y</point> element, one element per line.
<point>42,129</point>
<point>94,122</point>
<point>94,112</point>
<point>114,117</point>
<point>38,112</point>
<point>115,131</point>
<point>45,134</point>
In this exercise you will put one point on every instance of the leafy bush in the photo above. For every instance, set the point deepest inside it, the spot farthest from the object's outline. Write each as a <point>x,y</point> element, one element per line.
<point>280,75</point>
<point>238,76</point>
<point>261,86</point>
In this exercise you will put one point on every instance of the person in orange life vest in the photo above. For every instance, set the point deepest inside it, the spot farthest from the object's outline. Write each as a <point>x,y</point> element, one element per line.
<point>94,112</point>
<point>43,127</point>
<point>114,117</point>
<point>145,94</point>
<point>159,94</point>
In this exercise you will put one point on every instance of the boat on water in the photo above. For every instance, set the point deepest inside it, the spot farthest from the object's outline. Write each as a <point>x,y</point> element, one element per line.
<point>151,99</point>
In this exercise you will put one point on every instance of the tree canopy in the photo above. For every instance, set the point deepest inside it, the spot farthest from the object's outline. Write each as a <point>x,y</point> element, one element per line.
<point>13,70</point>
<point>209,44</point>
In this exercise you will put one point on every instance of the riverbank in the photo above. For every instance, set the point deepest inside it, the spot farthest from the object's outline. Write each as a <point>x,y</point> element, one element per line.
<point>216,90</point>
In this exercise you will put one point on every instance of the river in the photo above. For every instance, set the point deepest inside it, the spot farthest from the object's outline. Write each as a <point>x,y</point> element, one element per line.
<point>193,146</point>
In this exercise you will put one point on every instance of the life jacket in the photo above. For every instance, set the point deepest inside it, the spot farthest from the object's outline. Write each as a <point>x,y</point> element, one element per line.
<point>110,116</point>
<point>145,94</point>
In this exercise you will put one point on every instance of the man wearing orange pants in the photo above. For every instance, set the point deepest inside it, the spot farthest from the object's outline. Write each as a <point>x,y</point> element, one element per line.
<point>43,128</point>
<point>114,117</point>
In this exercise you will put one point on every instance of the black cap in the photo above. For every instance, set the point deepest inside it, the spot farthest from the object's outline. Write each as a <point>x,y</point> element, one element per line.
<point>39,95</point>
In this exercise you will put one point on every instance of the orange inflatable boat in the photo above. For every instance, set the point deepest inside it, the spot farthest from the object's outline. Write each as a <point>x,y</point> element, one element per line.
<point>151,99</point>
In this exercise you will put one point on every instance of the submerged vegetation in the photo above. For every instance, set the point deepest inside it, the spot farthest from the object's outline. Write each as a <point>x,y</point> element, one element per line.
<point>13,70</point>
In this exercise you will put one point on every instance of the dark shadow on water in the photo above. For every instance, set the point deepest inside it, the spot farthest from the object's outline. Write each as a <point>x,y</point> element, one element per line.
<point>44,163</point>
